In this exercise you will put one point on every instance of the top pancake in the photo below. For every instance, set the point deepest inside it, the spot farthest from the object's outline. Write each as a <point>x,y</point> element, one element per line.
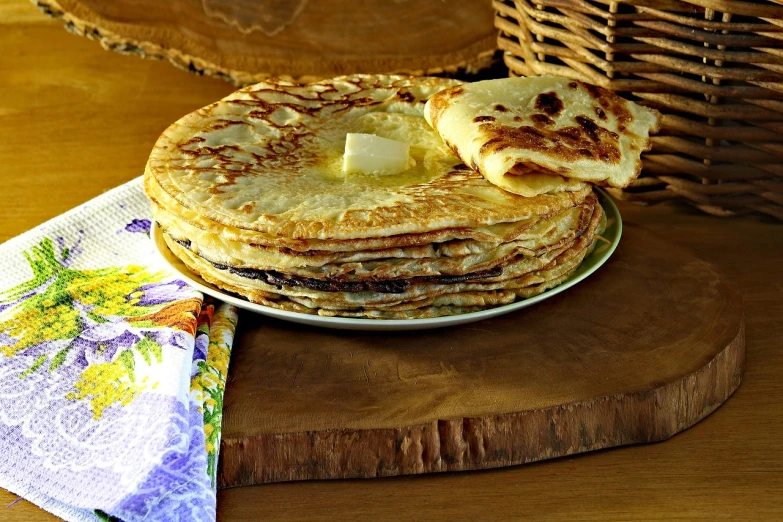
<point>543,133</point>
<point>267,159</point>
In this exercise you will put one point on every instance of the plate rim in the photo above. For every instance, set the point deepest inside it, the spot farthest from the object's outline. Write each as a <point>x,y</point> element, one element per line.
<point>351,323</point>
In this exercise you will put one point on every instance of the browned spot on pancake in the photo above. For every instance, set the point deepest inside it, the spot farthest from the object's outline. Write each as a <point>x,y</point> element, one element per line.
<point>223,124</point>
<point>549,103</point>
<point>500,108</point>
<point>195,140</point>
<point>611,102</point>
<point>219,150</point>
<point>589,127</point>
<point>229,178</point>
<point>595,92</point>
<point>247,208</point>
<point>587,140</point>
<point>405,96</point>
<point>479,119</point>
<point>573,85</point>
<point>452,147</point>
<point>440,102</point>
<point>622,114</point>
<point>541,120</point>
<point>600,113</point>
<point>517,118</point>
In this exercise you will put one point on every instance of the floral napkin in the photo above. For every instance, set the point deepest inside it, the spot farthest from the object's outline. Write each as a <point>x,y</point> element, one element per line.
<point>111,370</point>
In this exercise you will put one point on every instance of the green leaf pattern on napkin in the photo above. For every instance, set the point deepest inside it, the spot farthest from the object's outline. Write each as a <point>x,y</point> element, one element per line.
<point>107,317</point>
<point>112,370</point>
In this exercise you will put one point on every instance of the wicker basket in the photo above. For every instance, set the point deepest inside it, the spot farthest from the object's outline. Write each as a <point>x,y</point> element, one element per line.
<point>714,68</point>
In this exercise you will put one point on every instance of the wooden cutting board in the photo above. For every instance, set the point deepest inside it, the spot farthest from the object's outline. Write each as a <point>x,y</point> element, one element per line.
<point>246,41</point>
<point>644,348</point>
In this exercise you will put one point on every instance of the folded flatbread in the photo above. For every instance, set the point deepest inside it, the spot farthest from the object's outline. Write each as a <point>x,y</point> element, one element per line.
<point>543,134</point>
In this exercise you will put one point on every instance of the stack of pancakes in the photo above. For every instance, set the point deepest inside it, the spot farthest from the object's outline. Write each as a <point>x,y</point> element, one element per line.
<point>249,193</point>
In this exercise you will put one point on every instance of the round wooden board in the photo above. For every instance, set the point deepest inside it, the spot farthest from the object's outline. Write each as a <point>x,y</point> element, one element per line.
<point>643,349</point>
<point>246,41</point>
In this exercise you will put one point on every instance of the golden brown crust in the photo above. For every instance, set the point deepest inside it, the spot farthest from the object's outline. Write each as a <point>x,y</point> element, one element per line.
<point>455,303</point>
<point>515,276</point>
<point>266,160</point>
<point>453,258</point>
<point>561,130</point>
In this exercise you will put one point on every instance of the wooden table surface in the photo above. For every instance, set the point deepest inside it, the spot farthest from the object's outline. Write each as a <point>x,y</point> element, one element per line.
<point>77,120</point>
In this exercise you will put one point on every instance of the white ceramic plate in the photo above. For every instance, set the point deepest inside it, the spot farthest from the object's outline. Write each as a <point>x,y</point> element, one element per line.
<point>591,263</point>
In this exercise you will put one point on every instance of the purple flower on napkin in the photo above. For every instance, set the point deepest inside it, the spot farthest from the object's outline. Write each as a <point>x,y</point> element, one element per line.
<point>160,293</point>
<point>98,417</point>
<point>101,342</point>
<point>169,337</point>
<point>140,226</point>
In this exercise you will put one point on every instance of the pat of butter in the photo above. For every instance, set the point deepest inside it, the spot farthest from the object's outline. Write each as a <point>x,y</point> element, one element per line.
<point>371,154</point>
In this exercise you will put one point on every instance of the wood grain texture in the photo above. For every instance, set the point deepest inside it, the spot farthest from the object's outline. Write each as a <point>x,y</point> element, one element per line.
<point>641,350</point>
<point>729,466</point>
<point>81,120</point>
<point>246,41</point>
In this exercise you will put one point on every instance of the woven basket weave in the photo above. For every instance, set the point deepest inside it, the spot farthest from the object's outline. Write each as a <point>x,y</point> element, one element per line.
<point>714,68</point>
